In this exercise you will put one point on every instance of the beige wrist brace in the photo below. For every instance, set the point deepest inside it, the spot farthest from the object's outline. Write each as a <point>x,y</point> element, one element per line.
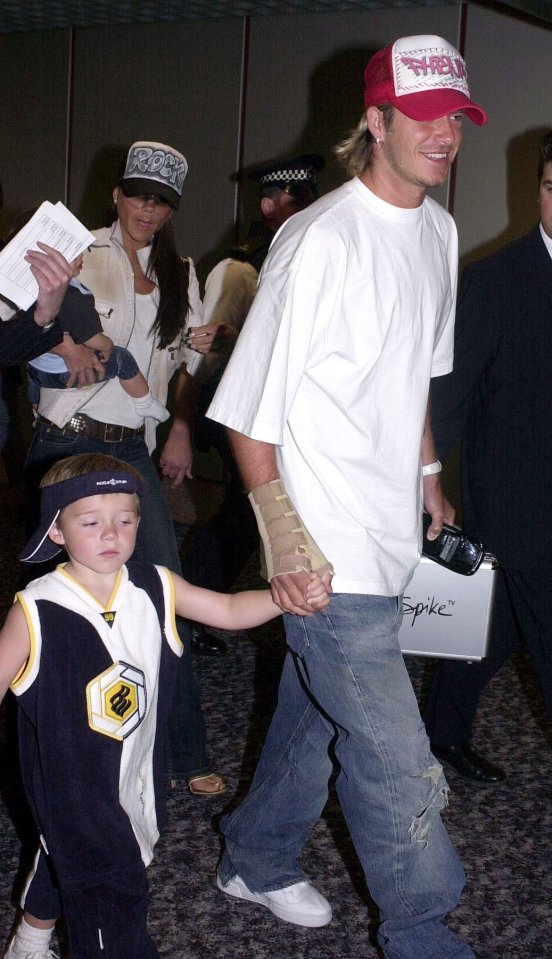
<point>287,546</point>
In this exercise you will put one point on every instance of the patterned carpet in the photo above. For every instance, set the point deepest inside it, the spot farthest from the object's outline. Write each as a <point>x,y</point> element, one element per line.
<point>504,834</point>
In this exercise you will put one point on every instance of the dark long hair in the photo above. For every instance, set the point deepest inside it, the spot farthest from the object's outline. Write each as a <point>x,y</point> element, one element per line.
<point>172,274</point>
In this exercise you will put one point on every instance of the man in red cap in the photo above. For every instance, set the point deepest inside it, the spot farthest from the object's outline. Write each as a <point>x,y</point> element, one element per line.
<point>353,316</point>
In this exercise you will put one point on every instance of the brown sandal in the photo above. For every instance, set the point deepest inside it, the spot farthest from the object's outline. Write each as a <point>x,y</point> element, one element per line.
<point>209,785</point>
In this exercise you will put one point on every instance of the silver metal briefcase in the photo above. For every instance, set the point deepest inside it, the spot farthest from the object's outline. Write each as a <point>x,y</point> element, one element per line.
<point>447,615</point>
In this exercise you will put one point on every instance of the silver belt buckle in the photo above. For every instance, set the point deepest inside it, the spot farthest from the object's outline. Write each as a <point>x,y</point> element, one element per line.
<point>113,432</point>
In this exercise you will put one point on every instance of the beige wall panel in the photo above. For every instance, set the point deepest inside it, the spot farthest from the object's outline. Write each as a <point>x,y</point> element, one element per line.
<point>306,78</point>
<point>173,82</point>
<point>33,107</point>
<point>509,69</point>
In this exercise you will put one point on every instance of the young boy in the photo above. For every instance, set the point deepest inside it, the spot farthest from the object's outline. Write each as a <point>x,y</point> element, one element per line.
<point>78,317</point>
<point>90,652</point>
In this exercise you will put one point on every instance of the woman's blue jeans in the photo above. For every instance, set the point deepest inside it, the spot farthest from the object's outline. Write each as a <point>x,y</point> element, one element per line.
<point>155,543</point>
<point>345,686</point>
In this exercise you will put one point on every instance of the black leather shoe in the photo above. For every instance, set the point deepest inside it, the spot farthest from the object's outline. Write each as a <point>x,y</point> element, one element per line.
<point>205,644</point>
<point>464,759</point>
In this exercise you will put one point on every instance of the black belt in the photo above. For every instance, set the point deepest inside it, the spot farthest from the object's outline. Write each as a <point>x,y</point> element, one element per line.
<point>85,426</point>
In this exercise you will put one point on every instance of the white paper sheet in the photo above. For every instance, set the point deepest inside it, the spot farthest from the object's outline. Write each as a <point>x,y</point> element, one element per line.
<point>53,224</point>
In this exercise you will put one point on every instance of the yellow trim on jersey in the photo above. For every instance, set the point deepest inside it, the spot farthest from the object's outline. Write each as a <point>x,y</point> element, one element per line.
<point>61,569</point>
<point>27,667</point>
<point>170,613</point>
<point>111,599</point>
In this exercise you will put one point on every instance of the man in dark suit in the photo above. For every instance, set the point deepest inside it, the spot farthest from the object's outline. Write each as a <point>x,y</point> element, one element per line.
<point>499,399</point>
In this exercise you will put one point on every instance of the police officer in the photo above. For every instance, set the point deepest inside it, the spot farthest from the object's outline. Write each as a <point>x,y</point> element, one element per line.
<point>225,544</point>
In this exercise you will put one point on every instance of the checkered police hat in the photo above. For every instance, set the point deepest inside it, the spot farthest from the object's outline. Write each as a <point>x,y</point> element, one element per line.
<point>299,169</point>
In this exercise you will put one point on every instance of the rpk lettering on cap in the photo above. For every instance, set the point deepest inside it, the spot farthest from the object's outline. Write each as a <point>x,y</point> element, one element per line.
<point>157,164</point>
<point>154,169</point>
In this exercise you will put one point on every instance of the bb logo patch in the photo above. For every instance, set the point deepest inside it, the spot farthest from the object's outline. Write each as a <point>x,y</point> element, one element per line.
<point>116,701</point>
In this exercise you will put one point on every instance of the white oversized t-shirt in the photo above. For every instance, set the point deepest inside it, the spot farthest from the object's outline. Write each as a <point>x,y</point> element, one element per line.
<point>353,315</point>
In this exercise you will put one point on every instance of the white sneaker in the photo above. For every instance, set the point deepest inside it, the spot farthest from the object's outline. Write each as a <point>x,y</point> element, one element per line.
<point>45,953</point>
<point>300,903</point>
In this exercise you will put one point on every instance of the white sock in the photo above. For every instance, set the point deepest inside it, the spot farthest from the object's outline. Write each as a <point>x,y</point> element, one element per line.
<point>28,939</point>
<point>148,406</point>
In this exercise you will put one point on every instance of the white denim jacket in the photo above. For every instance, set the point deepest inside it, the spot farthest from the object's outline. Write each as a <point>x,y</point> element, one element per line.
<point>107,272</point>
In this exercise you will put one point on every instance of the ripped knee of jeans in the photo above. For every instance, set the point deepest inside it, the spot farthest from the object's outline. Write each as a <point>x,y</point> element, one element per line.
<point>421,823</point>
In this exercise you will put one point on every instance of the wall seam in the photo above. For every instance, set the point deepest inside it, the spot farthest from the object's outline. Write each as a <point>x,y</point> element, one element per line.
<point>69,117</point>
<point>244,80</point>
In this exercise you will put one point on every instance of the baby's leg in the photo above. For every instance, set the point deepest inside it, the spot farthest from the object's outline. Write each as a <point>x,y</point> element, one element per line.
<point>135,384</point>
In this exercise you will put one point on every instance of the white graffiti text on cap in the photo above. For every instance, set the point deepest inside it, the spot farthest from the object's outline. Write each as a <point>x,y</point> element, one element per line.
<point>156,162</point>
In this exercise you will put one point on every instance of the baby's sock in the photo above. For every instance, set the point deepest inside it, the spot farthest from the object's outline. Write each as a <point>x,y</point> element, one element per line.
<point>148,406</point>
<point>29,941</point>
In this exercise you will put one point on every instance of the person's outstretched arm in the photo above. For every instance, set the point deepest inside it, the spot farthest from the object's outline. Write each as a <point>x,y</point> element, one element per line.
<point>238,610</point>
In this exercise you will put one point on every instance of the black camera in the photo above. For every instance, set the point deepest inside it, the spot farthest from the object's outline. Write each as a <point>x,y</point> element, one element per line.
<point>452,549</point>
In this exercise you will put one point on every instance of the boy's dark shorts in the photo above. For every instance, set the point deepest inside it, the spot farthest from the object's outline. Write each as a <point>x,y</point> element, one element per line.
<point>109,920</point>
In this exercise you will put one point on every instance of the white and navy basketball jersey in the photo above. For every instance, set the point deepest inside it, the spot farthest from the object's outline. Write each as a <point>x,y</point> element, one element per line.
<point>94,700</point>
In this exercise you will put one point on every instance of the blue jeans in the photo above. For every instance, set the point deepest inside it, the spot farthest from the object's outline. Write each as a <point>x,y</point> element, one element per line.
<point>345,692</point>
<point>155,543</point>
